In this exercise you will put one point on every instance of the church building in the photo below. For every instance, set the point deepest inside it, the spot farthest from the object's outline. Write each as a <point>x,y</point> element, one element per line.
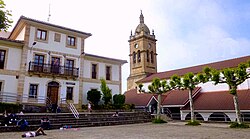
<point>211,102</point>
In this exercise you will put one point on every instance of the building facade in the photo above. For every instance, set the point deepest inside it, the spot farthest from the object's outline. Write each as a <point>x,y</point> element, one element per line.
<point>43,62</point>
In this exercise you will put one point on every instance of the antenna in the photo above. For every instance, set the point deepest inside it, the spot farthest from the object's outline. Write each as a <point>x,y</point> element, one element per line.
<point>49,14</point>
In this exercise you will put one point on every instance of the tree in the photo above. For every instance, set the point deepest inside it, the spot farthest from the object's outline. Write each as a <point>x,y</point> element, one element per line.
<point>94,96</point>
<point>119,99</point>
<point>158,87</point>
<point>5,22</point>
<point>233,77</point>
<point>189,81</point>
<point>107,95</point>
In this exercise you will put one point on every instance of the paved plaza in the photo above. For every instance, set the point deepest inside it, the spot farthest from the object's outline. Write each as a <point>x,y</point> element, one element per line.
<point>171,130</point>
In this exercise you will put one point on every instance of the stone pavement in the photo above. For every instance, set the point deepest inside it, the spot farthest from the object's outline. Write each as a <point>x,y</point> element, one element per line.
<point>171,130</point>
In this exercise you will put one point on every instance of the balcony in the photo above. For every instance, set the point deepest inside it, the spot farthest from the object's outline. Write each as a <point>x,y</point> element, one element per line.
<point>53,70</point>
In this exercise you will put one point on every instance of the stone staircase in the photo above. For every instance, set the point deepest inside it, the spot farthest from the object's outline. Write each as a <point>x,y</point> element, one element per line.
<point>85,120</point>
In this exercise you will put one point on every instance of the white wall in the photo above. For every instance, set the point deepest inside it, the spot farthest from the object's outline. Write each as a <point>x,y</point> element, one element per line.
<point>101,70</point>
<point>10,83</point>
<point>115,72</point>
<point>52,45</point>
<point>210,87</point>
<point>13,57</point>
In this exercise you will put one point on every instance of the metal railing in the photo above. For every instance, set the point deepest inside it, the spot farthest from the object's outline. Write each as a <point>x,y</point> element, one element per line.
<point>53,69</point>
<point>71,107</point>
<point>10,97</point>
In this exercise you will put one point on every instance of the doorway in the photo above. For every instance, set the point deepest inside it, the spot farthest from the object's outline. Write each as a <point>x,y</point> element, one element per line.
<point>52,92</point>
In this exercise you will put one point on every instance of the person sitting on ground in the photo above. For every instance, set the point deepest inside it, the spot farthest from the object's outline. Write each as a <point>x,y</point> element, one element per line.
<point>45,123</point>
<point>23,124</point>
<point>13,118</point>
<point>116,114</point>
<point>38,132</point>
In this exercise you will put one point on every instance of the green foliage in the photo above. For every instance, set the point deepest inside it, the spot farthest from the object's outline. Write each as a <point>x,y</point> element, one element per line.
<point>5,22</point>
<point>111,107</point>
<point>119,99</point>
<point>94,96</point>
<point>193,123</point>
<point>175,81</point>
<point>140,88</point>
<point>158,121</point>
<point>237,125</point>
<point>107,95</point>
<point>158,87</point>
<point>9,107</point>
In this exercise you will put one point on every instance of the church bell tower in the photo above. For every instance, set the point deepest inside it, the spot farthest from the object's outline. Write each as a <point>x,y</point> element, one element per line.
<point>142,54</point>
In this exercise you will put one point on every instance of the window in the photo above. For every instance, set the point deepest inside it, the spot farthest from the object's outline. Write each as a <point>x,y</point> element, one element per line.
<point>108,72</point>
<point>33,91</point>
<point>134,57</point>
<point>39,59</point>
<point>152,57</point>
<point>2,58</point>
<point>41,34</point>
<point>1,86</point>
<point>55,64</point>
<point>147,56</point>
<point>38,62</point>
<point>71,41</point>
<point>94,71</point>
<point>57,37</point>
<point>69,95</point>
<point>139,56</point>
<point>69,66</point>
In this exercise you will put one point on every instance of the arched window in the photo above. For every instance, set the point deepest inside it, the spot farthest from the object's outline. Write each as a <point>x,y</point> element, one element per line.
<point>134,57</point>
<point>139,56</point>
<point>152,57</point>
<point>148,56</point>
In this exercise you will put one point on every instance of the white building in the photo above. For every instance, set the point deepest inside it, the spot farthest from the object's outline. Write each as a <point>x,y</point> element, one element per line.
<point>41,62</point>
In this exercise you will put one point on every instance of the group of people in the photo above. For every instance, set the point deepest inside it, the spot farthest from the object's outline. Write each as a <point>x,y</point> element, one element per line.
<point>11,119</point>
<point>45,124</point>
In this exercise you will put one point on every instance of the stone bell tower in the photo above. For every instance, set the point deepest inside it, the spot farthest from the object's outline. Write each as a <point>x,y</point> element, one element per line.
<point>143,56</point>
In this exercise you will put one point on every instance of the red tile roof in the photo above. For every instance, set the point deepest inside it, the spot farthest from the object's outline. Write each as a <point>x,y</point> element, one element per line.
<point>220,100</point>
<point>174,97</point>
<point>132,97</point>
<point>196,69</point>
<point>178,97</point>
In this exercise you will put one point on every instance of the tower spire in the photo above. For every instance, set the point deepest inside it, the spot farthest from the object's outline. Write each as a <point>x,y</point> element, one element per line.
<point>141,18</point>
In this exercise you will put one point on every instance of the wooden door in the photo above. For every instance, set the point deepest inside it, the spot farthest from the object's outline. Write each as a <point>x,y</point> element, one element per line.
<point>52,92</point>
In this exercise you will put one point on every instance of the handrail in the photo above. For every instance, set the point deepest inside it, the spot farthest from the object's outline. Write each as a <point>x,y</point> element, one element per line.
<point>15,98</point>
<point>53,69</point>
<point>71,107</point>
<point>74,111</point>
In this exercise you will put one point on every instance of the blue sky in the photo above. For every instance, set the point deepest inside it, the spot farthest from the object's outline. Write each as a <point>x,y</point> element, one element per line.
<point>189,32</point>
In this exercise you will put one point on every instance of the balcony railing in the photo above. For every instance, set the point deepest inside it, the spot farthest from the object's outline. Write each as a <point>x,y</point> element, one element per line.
<point>53,69</point>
